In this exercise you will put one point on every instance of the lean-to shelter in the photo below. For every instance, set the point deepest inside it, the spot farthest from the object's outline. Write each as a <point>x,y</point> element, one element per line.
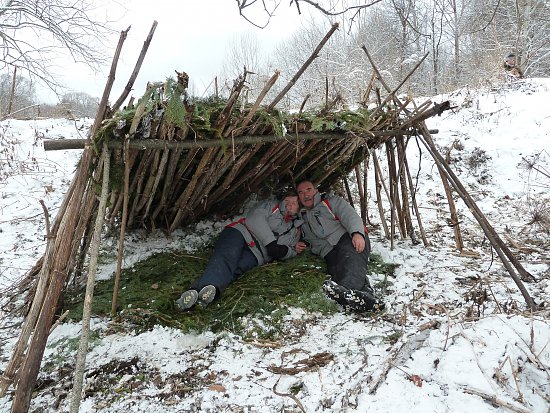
<point>167,160</point>
<point>190,158</point>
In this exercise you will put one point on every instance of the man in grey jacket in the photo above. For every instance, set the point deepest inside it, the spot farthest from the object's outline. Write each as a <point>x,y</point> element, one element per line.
<point>269,231</point>
<point>336,232</point>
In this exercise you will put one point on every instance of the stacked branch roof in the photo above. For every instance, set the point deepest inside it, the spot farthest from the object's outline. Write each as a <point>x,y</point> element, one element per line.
<point>254,150</point>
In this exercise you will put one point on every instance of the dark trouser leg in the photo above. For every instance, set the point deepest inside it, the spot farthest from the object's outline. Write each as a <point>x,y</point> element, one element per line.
<point>347,267</point>
<point>230,259</point>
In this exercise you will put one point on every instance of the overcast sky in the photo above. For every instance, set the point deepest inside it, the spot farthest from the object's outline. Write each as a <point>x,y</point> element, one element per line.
<point>191,36</point>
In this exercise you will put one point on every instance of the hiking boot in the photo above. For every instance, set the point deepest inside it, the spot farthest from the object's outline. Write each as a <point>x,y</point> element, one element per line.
<point>187,299</point>
<point>359,300</point>
<point>207,295</point>
<point>379,305</point>
<point>334,291</point>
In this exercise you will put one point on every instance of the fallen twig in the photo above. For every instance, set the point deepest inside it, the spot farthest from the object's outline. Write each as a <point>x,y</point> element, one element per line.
<point>296,400</point>
<point>495,401</point>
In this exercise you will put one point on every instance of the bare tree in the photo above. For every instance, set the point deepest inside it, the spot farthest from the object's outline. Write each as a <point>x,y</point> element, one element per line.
<point>244,53</point>
<point>35,34</point>
<point>23,94</point>
<point>331,62</point>
<point>260,13</point>
<point>80,104</point>
<point>525,30</point>
<point>466,40</point>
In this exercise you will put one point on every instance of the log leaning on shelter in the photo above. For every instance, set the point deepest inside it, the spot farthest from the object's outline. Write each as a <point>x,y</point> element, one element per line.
<point>448,176</point>
<point>64,242</point>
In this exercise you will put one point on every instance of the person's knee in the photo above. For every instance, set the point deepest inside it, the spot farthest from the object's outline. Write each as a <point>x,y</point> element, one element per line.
<point>353,272</point>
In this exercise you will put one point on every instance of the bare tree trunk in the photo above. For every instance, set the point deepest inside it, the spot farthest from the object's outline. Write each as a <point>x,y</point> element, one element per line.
<point>12,91</point>
<point>456,36</point>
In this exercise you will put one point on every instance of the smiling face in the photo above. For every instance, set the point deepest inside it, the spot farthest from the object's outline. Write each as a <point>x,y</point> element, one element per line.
<point>306,193</point>
<point>292,205</point>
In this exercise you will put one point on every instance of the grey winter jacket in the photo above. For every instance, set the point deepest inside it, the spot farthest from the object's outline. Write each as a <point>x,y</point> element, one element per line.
<point>267,222</point>
<point>329,219</point>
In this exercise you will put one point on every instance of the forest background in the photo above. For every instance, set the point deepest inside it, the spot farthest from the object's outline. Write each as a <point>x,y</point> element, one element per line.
<point>464,41</point>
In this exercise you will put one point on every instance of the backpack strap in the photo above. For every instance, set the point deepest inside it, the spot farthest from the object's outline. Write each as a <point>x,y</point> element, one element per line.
<point>240,221</point>
<point>326,203</point>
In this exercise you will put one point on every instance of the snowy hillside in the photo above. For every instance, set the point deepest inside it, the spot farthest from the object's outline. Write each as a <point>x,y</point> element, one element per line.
<point>455,336</point>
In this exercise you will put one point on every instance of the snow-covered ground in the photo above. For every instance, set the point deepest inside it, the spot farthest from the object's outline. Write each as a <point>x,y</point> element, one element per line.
<point>456,336</point>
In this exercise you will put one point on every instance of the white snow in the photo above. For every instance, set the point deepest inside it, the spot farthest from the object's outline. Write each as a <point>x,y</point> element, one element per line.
<point>496,348</point>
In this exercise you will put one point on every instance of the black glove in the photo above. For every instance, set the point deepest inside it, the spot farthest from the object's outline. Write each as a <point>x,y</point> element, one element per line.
<point>276,251</point>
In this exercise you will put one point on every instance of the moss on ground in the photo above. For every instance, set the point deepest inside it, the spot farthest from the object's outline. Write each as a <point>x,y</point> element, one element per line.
<point>148,291</point>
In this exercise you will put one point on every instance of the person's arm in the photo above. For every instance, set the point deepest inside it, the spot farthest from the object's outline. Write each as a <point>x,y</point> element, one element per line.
<point>349,218</point>
<point>358,242</point>
<point>256,222</point>
<point>277,251</point>
<point>351,221</point>
<point>289,245</point>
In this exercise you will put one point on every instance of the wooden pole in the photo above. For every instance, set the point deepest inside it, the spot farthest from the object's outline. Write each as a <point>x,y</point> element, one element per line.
<point>348,191</point>
<point>366,168</point>
<point>303,68</point>
<point>225,114</point>
<point>136,187</point>
<point>452,209</point>
<point>391,93</point>
<point>343,152</point>
<point>397,213</point>
<point>183,199</point>
<point>401,148</point>
<point>412,190</point>
<point>137,67</point>
<point>501,249</point>
<point>65,225</point>
<point>122,229</point>
<point>362,197</point>
<point>30,320</point>
<point>66,229</point>
<point>87,311</point>
<point>259,99</point>
<point>64,144</point>
<point>28,371</point>
<point>379,182</point>
<point>102,109</point>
